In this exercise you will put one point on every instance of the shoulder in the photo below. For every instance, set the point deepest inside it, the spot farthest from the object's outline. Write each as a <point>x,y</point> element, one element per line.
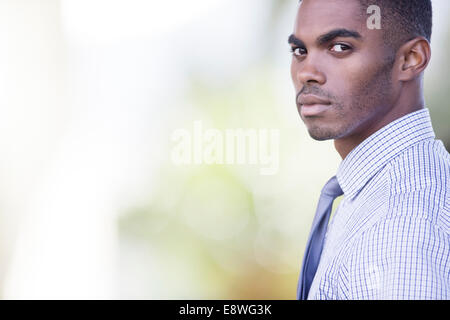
<point>403,251</point>
<point>398,258</point>
<point>419,184</point>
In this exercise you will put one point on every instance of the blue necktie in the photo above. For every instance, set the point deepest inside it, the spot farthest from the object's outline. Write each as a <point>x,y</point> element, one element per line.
<point>314,246</point>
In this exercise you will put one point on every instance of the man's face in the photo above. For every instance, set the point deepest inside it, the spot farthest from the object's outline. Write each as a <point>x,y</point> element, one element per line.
<point>340,69</point>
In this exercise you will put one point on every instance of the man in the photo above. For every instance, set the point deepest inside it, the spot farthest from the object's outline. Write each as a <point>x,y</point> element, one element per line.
<point>361,85</point>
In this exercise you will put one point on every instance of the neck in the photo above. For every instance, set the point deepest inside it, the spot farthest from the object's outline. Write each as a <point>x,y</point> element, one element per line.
<point>406,104</point>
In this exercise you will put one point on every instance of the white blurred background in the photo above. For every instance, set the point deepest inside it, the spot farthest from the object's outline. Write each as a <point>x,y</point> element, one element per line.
<point>91,205</point>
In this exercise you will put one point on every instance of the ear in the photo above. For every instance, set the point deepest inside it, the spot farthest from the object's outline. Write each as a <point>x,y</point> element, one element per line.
<point>414,57</point>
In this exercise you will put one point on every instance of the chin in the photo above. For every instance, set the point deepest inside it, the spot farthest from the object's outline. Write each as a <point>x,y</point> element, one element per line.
<point>321,138</point>
<point>322,135</point>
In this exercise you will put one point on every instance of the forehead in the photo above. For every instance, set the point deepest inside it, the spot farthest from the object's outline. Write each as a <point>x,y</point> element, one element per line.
<point>316,17</point>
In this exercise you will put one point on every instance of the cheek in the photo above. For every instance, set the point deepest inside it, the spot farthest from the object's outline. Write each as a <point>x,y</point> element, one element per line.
<point>348,76</point>
<point>355,80</point>
<point>294,71</point>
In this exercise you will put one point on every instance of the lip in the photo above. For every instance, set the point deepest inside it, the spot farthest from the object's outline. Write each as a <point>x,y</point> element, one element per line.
<point>313,109</point>
<point>311,105</point>
<point>309,99</point>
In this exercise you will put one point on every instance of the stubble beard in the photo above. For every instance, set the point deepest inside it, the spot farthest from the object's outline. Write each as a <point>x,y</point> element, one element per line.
<point>371,97</point>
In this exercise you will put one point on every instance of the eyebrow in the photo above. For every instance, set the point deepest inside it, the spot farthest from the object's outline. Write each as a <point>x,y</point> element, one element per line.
<point>327,37</point>
<point>333,34</point>
<point>296,41</point>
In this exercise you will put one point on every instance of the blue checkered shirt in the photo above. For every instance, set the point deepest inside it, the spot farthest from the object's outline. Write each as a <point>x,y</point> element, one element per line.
<point>389,236</point>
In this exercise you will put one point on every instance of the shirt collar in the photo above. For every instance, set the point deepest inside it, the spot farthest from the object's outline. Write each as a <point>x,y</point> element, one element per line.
<point>371,155</point>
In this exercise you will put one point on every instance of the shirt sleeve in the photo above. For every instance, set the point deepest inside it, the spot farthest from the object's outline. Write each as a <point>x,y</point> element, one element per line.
<point>399,258</point>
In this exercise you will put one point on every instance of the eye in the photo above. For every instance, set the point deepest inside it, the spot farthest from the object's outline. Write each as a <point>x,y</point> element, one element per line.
<point>340,47</point>
<point>298,51</point>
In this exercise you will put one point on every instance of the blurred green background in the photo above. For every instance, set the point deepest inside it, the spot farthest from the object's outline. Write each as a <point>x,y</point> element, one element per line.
<point>226,233</point>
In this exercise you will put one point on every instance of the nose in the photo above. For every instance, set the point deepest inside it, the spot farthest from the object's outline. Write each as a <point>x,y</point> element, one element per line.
<point>307,72</point>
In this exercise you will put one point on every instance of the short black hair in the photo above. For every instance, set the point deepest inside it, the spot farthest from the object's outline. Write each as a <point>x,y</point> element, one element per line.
<point>403,20</point>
